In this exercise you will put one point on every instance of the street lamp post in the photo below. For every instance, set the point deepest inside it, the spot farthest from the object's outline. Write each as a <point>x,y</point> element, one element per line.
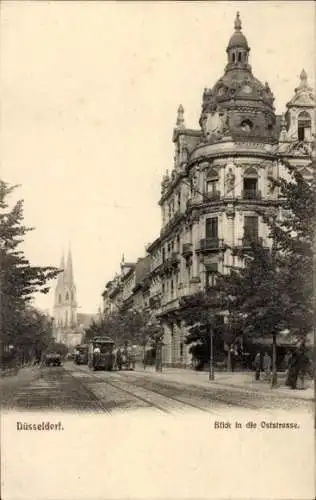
<point>211,339</point>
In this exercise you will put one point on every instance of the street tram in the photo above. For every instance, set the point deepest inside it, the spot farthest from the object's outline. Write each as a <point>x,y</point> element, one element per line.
<point>81,354</point>
<point>100,353</point>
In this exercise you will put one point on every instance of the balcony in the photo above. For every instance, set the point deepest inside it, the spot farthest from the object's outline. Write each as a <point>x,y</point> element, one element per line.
<point>169,264</point>
<point>186,249</point>
<point>248,241</point>
<point>212,196</point>
<point>251,194</point>
<point>210,244</point>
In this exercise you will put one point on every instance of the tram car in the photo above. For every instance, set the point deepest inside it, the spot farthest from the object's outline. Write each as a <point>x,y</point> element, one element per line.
<point>81,354</point>
<point>100,353</point>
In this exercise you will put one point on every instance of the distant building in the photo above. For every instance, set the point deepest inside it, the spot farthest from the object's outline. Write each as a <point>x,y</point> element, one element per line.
<point>69,325</point>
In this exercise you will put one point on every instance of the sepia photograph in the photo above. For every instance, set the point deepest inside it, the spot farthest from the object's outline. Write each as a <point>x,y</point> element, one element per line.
<point>157,232</point>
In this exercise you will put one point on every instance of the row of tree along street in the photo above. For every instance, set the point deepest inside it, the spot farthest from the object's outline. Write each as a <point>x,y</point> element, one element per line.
<point>271,291</point>
<point>130,326</point>
<point>25,332</point>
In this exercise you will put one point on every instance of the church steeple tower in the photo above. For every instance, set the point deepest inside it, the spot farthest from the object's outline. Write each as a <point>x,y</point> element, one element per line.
<point>65,305</point>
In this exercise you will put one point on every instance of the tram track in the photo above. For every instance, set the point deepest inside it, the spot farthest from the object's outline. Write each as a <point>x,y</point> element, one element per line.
<point>168,399</point>
<point>147,401</point>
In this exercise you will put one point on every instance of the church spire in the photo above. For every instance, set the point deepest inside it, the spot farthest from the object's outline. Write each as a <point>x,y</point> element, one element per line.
<point>69,277</point>
<point>60,278</point>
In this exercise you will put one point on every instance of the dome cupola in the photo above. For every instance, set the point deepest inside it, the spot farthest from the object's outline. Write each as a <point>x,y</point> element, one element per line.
<point>238,106</point>
<point>238,48</point>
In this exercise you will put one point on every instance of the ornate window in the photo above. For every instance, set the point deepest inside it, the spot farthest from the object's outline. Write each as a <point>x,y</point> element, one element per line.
<point>210,274</point>
<point>211,227</point>
<point>246,125</point>
<point>212,181</point>
<point>250,183</point>
<point>304,127</point>
<point>251,228</point>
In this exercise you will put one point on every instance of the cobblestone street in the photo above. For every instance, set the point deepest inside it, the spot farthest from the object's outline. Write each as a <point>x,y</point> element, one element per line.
<point>76,389</point>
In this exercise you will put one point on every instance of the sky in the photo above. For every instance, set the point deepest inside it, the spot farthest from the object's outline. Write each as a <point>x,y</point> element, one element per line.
<point>90,92</point>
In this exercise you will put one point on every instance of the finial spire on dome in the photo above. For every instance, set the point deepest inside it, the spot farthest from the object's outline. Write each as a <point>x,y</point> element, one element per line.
<point>180,117</point>
<point>237,23</point>
<point>303,76</point>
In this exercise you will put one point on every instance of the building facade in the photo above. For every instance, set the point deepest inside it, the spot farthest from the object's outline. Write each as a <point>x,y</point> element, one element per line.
<point>219,185</point>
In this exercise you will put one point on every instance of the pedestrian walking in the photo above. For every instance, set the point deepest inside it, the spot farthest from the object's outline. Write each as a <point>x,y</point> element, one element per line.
<point>267,365</point>
<point>257,365</point>
<point>303,362</point>
<point>293,370</point>
<point>287,361</point>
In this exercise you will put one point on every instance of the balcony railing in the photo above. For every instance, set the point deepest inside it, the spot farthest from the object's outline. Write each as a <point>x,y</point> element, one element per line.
<point>186,249</point>
<point>248,241</point>
<point>210,244</point>
<point>251,194</point>
<point>212,196</point>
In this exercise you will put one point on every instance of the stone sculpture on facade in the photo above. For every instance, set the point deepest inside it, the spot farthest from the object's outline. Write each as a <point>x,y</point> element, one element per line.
<point>230,182</point>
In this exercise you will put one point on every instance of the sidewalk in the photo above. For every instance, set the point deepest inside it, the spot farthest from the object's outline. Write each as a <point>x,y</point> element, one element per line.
<point>234,380</point>
<point>23,375</point>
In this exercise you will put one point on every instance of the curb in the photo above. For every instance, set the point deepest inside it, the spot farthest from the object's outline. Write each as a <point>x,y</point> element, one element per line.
<point>264,391</point>
<point>289,395</point>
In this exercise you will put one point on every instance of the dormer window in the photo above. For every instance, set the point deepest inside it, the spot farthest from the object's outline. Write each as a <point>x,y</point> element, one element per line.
<point>304,127</point>
<point>246,125</point>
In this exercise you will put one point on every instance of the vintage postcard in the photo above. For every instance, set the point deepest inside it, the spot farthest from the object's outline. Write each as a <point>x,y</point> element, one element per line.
<point>157,228</point>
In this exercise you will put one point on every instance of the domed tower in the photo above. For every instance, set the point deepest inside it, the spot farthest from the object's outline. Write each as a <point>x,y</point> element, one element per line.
<point>238,106</point>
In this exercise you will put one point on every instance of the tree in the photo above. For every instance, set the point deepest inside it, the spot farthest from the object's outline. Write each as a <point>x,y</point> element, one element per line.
<point>257,292</point>
<point>19,280</point>
<point>293,242</point>
<point>131,325</point>
<point>272,289</point>
<point>202,313</point>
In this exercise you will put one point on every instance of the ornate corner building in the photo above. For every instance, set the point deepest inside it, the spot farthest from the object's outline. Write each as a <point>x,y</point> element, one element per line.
<point>219,185</point>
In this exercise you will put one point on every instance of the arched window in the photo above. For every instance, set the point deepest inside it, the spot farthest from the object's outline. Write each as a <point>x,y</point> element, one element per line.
<point>234,57</point>
<point>67,296</point>
<point>72,295</point>
<point>251,172</point>
<point>239,56</point>
<point>304,127</point>
<point>250,183</point>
